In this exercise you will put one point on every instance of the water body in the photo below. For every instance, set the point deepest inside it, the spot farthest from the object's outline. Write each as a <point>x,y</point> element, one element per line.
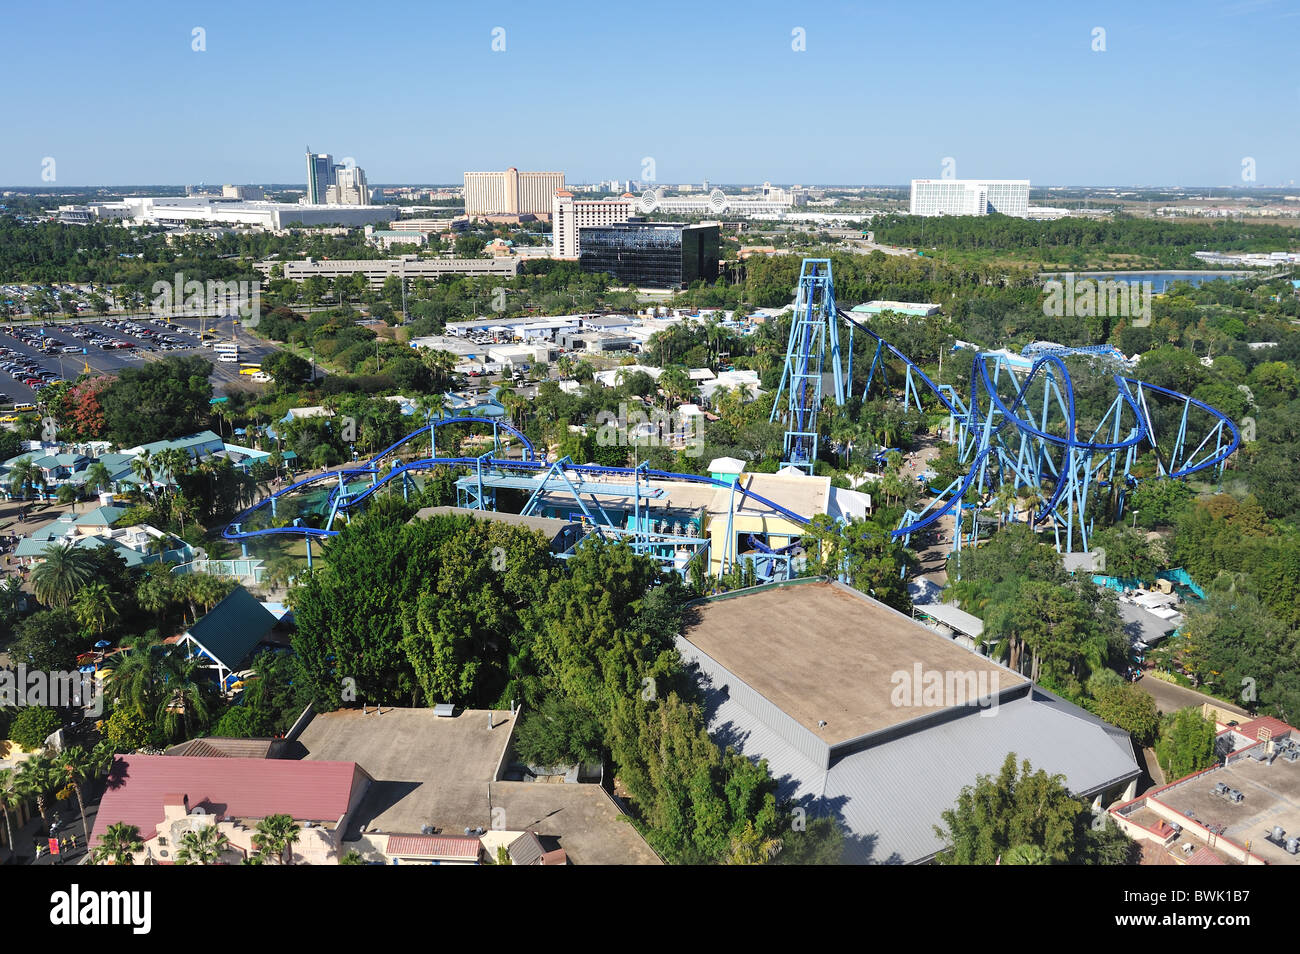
<point>1159,280</point>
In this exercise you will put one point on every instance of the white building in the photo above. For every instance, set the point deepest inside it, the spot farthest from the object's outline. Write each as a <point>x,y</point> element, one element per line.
<point>568,215</point>
<point>176,211</point>
<point>770,202</point>
<point>970,197</point>
<point>511,192</point>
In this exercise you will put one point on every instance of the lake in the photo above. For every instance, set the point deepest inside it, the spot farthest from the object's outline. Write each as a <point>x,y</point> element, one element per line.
<point>1158,280</point>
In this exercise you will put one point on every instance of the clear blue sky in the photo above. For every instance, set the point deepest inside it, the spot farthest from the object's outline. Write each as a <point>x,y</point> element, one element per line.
<point>883,92</point>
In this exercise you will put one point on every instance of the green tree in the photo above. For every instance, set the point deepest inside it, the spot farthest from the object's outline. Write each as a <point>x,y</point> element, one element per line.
<point>118,845</point>
<point>1134,711</point>
<point>1030,813</point>
<point>63,570</point>
<point>33,725</point>
<point>94,607</point>
<point>558,733</point>
<point>81,768</point>
<point>202,846</point>
<point>275,837</point>
<point>158,400</point>
<point>1186,743</point>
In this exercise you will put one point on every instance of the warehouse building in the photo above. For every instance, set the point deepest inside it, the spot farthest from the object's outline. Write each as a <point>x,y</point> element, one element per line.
<point>864,714</point>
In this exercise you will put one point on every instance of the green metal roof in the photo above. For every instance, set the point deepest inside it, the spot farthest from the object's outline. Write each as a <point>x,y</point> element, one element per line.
<point>100,517</point>
<point>233,628</point>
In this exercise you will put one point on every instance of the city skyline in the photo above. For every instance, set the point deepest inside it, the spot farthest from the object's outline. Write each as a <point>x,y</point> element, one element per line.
<point>1131,105</point>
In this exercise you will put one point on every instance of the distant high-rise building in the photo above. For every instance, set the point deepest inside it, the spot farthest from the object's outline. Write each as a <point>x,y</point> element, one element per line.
<point>349,187</point>
<point>511,192</point>
<point>568,215</point>
<point>970,197</point>
<point>320,176</point>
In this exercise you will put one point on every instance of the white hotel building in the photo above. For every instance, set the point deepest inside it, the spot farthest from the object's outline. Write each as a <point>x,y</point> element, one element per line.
<point>970,197</point>
<point>569,214</point>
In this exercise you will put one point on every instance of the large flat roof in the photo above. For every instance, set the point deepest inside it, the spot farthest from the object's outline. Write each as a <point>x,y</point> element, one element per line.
<point>824,652</point>
<point>1272,797</point>
<point>427,770</point>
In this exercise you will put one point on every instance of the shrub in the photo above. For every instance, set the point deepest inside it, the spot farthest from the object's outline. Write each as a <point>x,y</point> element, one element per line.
<point>33,725</point>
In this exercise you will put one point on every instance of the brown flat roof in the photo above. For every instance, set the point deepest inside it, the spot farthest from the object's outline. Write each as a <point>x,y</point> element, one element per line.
<point>824,652</point>
<point>548,526</point>
<point>1272,797</point>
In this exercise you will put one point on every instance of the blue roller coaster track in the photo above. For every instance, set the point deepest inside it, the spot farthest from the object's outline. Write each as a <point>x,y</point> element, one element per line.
<point>1021,427</point>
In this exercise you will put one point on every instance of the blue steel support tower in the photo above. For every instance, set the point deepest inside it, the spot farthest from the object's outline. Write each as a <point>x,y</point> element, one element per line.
<point>814,329</point>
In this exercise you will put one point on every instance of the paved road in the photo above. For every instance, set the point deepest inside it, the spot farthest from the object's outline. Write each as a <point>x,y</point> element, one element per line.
<point>1170,697</point>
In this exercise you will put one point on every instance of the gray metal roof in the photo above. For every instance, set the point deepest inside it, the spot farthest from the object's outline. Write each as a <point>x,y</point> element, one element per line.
<point>955,617</point>
<point>1141,624</point>
<point>891,795</point>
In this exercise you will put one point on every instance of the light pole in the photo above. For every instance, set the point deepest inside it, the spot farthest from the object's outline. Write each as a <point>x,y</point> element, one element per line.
<point>1135,519</point>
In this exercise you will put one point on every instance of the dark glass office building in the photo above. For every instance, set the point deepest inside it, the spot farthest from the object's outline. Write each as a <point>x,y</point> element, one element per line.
<point>651,254</point>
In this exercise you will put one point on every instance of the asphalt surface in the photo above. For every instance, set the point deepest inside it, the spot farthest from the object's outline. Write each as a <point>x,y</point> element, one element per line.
<point>225,376</point>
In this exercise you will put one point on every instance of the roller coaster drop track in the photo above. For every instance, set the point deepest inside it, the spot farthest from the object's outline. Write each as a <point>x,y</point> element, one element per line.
<point>1021,428</point>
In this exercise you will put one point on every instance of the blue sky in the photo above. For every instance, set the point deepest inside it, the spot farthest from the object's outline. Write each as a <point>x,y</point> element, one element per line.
<point>883,92</point>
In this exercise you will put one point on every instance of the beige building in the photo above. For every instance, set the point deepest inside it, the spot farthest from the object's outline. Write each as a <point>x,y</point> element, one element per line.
<point>568,215</point>
<point>511,192</point>
<point>376,270</point>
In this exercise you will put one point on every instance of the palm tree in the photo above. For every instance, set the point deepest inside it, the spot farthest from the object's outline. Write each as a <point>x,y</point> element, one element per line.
<point>118,845</point>
<point>153,593</point>
<point>36,779</point>
<point>94,607</point>
<point>275,835</point>
<point>81,768</point>
<point>143,468</point>
<point>64,570</point>
<point>1026,854</point>
<point>187,707</point>
<point>675,382</point>
<point>25,478</point>
<point>173,463</point>
<point>97,476</point>
<point>11,797</point>
<point>204,846</point>
<point>1005,499</point>
<point>135,676</point>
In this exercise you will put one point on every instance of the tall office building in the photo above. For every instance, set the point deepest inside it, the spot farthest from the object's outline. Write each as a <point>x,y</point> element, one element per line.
<point>970,197</point>
<point>511,192</point>
<point>349,187</point>
<point>320,176</point>
<point>568,215</point>
<point>652,254</point>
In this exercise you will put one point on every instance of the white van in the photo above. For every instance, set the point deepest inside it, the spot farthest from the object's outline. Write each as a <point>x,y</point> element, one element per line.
<point>228,358</point>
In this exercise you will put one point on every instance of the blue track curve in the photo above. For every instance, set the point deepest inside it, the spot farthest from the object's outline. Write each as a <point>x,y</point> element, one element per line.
<point>979,381</point>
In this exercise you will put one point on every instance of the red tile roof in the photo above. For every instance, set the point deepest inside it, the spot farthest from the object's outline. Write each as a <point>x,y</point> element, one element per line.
<point>1203,856</point>
<point>1276,728</point>
<point>140,785</point>
<point>434,846</point>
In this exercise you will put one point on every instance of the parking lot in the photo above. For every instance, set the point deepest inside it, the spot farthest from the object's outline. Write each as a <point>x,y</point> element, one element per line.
<point>33,355</point>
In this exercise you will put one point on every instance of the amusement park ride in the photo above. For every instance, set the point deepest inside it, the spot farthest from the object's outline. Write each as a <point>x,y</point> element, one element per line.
<point>1019,426</point>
